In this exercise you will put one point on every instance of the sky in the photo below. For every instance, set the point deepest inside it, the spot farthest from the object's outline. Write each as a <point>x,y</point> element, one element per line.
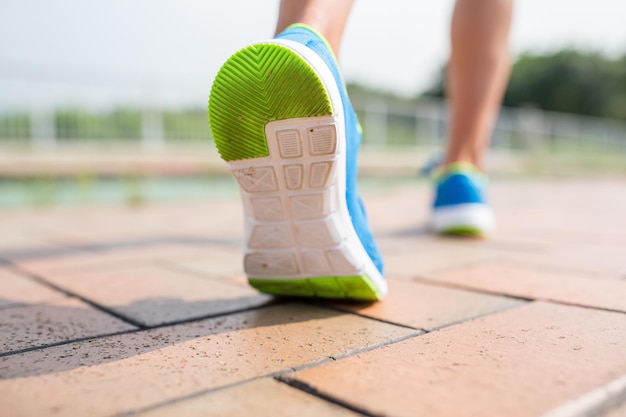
<point>126,52</point>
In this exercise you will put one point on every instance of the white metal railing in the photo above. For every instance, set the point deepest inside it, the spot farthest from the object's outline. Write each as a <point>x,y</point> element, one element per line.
<point>386,124</point>
<point>516,128</point>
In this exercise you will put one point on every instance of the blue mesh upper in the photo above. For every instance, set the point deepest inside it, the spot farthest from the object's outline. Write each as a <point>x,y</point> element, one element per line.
<point>459,188</point>
<point>312,40</point>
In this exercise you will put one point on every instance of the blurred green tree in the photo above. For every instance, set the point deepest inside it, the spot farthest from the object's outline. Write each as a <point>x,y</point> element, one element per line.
<point>569,81</point>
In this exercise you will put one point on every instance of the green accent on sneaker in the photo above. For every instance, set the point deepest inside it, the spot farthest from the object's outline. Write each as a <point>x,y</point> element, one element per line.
<point>259,84</point>
<point>357,287</point>
<point>444,171</point>
<point>468,231</point>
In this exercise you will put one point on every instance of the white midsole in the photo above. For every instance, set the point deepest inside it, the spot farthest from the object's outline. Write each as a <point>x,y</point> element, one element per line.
<point>474,215</point>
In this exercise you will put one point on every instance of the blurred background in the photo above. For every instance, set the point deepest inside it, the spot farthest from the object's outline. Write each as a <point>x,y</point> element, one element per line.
<point>106,102</point>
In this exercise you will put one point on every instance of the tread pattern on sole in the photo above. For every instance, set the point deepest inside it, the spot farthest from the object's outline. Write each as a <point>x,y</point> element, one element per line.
<point>257,85</point>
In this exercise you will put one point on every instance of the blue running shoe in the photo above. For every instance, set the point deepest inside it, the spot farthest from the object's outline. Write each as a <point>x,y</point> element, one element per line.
<point>280,116</point>
<point>460,207</point>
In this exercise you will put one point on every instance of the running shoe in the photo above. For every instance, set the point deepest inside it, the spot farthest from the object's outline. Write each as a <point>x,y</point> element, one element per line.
<point>460,206</point>
<point>281,118</point>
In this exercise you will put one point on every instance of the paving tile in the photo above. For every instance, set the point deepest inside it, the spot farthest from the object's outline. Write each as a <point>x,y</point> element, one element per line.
<point>427,307</point>
<point>53,322</point>
<point>565,228</point>
<point>618,412</point>
<point>409,254</point>
<point>599,401</point>
<point>213,262</point>
<point>132,371</point>
<point>108,258</point>
<point>593,220</point>
<point>215,218</point>
<point>416,259</point>
<point>253,399</point>
<point>590,258</point>
<point>17,290</point>
<point>12,241</point>
<point>28,228</point>
<point>523,281</point>
<point>23,231</point>
<point>520,362</point>
<point>101,224</point>
<point>378,201</point>
<point>153,295</point>
<point>406,257</point>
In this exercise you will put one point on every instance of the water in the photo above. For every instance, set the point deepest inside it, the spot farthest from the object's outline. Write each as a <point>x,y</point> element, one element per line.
<point>48,191</point>
<point>136,190</point>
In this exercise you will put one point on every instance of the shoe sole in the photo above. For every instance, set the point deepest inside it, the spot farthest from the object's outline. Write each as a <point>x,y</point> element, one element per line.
<point>463,220</point>
<point>279,124</point>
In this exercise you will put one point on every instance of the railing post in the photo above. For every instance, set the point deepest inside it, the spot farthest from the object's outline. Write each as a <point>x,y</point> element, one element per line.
<point>152,135</point>
<point>376,121</point>
<point>42,129</point>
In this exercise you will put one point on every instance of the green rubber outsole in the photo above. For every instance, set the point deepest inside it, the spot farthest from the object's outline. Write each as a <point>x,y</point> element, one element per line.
<point>357,288</point>
<point>462,231</point>
<point>257,85</point>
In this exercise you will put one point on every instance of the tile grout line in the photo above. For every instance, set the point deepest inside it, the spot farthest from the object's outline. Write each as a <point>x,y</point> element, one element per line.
<point>347,311</point>
<point>102,247</point>
<point>41,280</point>
<point>200,393</point>
<point>425,330</point>
<point>308,389</point>
<point>479,316</point>
<point>567,304</point>
<point>445,284</point>
<point>66,342</point>
<point>594,403</point>
<point>138,330</point>
<point>374,346</point>
<point>279,376</point>
<point>450,285</point>
<point>214,316</point>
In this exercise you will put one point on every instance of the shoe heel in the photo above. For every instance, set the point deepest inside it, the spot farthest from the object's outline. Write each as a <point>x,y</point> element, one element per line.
<point>273,120</point>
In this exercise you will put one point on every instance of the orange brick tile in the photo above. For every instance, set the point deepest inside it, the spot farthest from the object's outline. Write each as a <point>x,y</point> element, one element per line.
<point>108,258</point>
<point>523,281</point>
<point>131,371</point>
<point>214,262</point>
<point>22,231</point>
<point>520,362</point>
<point>416,196</point>
<point>410,257</point>
<point>618,412</point>
<point>590,258</point>
<point>53,322</point>
<point>598,401</point>
<point>153,295</point>
<point>427,306</point>
<point>16,290</point>
<point>264,397</point>
<point>12,241</point>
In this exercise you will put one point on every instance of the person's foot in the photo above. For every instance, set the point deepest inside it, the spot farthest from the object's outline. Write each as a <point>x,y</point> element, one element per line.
<point>460,206</point>
<point>281,118</point>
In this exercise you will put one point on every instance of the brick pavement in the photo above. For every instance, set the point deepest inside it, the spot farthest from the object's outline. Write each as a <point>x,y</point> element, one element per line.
<point>145,311</point>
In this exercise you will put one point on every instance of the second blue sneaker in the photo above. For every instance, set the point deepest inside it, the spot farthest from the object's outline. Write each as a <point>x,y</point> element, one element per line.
<point>280,116</point>
<point>460,206</point>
